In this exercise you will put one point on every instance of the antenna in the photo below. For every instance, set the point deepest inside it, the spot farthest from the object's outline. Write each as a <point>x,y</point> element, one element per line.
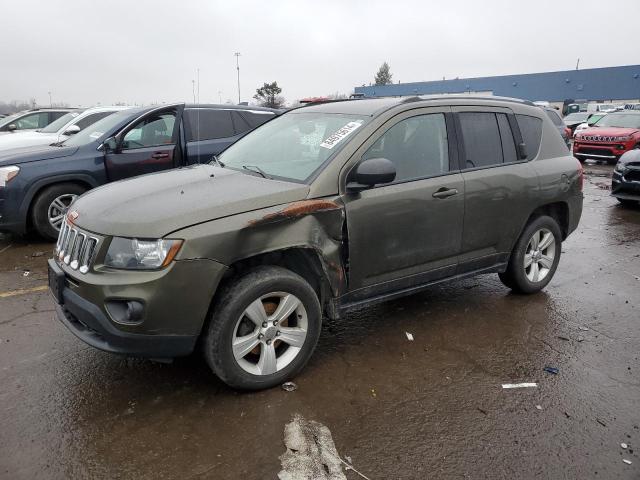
<point>578,63</point>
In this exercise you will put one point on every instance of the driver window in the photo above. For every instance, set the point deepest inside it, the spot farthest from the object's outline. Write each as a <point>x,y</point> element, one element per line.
<point>417,146</point>
<point>153,131</point>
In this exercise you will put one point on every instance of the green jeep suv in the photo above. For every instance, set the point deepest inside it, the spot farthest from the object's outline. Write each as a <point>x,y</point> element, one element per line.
<point>323,209</point>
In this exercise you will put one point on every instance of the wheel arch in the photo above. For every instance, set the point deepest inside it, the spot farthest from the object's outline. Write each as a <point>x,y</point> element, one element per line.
<point>559,211</point>
<point>26,210</point>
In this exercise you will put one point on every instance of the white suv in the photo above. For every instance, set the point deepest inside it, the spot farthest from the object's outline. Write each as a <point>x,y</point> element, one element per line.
<point>59,130</point>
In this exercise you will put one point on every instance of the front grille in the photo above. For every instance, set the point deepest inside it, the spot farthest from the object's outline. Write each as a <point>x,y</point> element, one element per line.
<point>76,248</point>
<point>632,176</point>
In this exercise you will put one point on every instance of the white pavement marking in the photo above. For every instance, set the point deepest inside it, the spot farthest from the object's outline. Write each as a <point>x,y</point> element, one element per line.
<point>519,385</point>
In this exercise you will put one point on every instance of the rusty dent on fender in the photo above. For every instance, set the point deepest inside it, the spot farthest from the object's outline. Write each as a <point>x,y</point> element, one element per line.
<point>298,209</point>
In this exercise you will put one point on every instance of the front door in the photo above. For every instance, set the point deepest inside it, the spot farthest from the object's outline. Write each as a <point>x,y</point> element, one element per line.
<point>149,145</point>
<point>408,232</point>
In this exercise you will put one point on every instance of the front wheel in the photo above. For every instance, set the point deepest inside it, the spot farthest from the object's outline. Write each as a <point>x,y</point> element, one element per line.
<point>535,257</point>
<point>50,208</point>
<point>263,328</point>
<point>627,203</point>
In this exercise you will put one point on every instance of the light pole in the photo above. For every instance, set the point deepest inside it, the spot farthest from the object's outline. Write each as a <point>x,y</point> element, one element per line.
<point>193,90</point>
<point>50,102</point>
<point>220,96</point>
<point>237,55</point>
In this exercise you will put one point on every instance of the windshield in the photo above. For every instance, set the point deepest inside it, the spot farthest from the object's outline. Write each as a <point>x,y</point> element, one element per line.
<point>97,131</point>
<point>293,146</point>
<point>576,117</point>
<point>53,127</point>
<point>622,120</point>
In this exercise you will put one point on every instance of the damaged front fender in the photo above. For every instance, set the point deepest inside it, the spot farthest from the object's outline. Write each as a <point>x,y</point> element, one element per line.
<point>317,224</point>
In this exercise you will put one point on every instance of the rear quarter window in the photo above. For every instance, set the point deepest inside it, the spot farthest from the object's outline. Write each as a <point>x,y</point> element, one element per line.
<point>531,130</point>
<point>255,119</point>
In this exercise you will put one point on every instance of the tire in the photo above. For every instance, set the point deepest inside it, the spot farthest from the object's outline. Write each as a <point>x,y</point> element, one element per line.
<point>63,194</point>
<point>627,203</point>
<point>521,278</point>
<point>229,321</point>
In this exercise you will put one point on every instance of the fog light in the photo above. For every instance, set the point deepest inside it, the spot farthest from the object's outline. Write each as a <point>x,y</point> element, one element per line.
<point>127,312</point>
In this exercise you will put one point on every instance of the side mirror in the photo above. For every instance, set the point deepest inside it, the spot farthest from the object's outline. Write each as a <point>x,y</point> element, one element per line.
<point>11,127</point>
<point>522,151</point>
<point>110,145</point>
<point>72,130</point>
<point>371,172</point>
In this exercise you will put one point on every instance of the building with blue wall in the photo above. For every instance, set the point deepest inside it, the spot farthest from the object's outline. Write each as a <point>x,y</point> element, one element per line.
<point>595,84</point>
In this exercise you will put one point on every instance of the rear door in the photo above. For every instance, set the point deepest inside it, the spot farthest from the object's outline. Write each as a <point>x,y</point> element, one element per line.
<point>498,185</point>
<point>408,232</point>
<point>150,144</point>
<point>208,132</point>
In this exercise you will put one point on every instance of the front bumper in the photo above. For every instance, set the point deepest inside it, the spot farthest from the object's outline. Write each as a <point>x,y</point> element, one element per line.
<point>176,301</point>
<point>599,151</point>
<point>626,186</point>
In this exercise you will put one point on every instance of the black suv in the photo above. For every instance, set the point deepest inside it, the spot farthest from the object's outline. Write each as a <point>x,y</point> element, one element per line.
<point>37,184</point>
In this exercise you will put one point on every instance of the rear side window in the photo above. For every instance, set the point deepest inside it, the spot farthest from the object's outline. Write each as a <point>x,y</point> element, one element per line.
<point>91,119</point>
<point>255,119</point>
<point>555,118</point>
<point>55,115</point>
<point>206,124</point>
<point>481,138</point>
<point>240,124</point>
<point>531,130</point>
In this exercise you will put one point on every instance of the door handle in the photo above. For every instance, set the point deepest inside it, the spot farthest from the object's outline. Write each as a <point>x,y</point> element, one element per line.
<point>160,155</point>
<point>445,192</point>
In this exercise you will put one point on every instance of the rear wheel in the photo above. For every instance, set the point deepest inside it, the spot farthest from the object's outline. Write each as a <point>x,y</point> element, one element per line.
<point>263,328</point>
<point>535,257</point>
<point>50,208</point>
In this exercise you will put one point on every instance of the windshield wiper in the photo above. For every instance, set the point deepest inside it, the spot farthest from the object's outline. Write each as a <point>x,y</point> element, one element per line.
<point>258,170</point>
<point>217,160</point>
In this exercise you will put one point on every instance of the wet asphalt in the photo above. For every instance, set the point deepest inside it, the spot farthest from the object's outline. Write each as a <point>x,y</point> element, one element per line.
<point>428,408</point>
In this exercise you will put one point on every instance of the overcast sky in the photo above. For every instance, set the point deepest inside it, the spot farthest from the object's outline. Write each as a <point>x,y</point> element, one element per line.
<point>143,51</point>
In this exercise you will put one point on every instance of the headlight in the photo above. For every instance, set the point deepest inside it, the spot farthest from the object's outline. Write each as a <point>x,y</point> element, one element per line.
<point>7,173</point>
<point>626,138</point>
<point>620,167</point>
<point>135,254</point>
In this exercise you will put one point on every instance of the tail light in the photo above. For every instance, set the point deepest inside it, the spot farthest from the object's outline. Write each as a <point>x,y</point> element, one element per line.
<point>567,132</point>
<point>580,176</point>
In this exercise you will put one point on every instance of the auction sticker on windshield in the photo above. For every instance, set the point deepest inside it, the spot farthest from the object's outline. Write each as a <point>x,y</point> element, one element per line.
<point>336,137</point>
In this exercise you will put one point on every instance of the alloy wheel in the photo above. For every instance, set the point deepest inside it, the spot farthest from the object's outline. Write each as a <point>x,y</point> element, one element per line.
<point>270,333</point>
<point>539,255</point>
<point>58,209</point>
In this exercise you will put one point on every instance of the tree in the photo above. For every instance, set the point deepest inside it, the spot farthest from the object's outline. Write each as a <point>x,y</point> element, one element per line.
<point>383,77</point>
<point>269,95</point>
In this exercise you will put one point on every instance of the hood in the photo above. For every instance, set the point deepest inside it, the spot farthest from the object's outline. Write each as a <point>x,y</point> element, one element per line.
<point>27,139</point>
<point>151,206</point>
<point>609,131</point>
<point>16,156</point>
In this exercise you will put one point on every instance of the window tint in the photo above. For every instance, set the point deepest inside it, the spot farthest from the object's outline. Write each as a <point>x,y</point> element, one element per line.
<point>417,146</point>
<point>240,124</point>
<point>531,130</point>
<point>481,138</point>
<point>35,120</point>
<point>555,118</point>
<point>205,124</point>
<point>152,131</point>
<point>256,119</point>
<point>55,115</point>
<point>91,119</point>
<point>506,136</point>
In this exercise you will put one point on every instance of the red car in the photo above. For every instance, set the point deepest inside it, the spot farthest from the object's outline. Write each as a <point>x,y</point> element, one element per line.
<point>610,137</point>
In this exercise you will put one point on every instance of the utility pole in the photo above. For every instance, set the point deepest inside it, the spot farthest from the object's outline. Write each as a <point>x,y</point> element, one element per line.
<point>237,55</point>
<point>50,102</point>
<point>578,63</point>
<point>193,90</point>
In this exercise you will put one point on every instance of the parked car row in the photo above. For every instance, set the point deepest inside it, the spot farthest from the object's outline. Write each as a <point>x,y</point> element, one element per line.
<point>31,119</point>
<point>83,150</point>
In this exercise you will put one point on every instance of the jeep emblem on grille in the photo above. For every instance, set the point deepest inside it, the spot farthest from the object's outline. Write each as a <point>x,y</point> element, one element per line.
<point>73,215</point>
